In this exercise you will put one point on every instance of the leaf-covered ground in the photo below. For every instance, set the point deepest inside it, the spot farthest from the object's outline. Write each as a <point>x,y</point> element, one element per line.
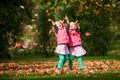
<point>48,67</point>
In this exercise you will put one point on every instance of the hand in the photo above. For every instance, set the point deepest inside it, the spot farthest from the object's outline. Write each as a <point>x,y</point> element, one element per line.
<point>66,18</point>
<point>50,20</point>
<point>61,21</point>
<point>76,21</point>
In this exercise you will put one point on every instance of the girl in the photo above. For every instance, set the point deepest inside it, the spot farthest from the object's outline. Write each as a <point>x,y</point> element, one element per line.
<point>62,41</point>
<point>75,44</point>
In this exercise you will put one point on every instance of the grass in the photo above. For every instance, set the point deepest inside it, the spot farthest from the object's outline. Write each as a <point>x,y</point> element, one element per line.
<point>28,58</point>
<point>105,76</point>
<point>100,76</point>
<point>101,58</point>
<point>40,58</point>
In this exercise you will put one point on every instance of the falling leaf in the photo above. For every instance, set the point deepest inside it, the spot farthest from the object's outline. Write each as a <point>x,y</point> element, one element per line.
<point>22,7</point>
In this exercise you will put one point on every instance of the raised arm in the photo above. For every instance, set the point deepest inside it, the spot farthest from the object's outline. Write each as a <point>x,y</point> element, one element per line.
<point>67,19</point>
<point>76,22</point>
<point>54,26</point>
<point>50,20</point>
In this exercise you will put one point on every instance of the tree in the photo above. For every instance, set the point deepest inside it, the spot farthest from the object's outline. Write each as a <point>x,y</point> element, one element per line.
<point>13,15</point>
<point>93,16</point>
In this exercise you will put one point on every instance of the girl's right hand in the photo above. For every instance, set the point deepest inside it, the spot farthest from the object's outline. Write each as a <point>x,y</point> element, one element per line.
<point>50,20</point>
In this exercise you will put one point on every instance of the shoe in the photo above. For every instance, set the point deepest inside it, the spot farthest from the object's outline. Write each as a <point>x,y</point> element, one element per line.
<point>58,71</point>
<point>70,69</point>
<point>82,69</point>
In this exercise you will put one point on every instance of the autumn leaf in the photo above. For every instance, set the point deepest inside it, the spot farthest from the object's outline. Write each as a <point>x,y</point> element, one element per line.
<point>26,68</point>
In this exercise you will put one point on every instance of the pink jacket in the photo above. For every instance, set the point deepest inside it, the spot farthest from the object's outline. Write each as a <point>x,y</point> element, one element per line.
<point>62,36</point>
<point>74,38</point>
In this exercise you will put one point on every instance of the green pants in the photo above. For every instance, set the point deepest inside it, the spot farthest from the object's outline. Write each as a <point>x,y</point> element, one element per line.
<point>62,60</point>
<point>71,58</point>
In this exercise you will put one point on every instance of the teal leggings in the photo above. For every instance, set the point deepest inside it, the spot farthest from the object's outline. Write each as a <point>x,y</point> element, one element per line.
<point>62,60</point>
<point>71,58</point>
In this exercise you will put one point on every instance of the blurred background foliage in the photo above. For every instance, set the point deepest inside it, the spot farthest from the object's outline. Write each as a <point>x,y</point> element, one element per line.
<point>26,22</point>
